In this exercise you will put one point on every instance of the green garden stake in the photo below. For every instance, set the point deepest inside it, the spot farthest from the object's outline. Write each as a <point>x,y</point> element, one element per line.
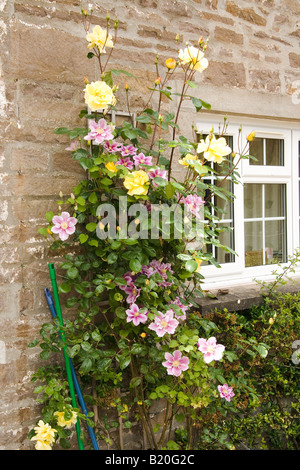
<point>66,358</point>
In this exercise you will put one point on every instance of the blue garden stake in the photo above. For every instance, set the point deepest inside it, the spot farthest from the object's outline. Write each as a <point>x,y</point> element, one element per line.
<point>75,380</point>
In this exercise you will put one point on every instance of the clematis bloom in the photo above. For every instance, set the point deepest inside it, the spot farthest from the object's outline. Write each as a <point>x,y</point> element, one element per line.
<point>64,225</point>
<point>210,349</point>
<point>135,315</point>
<point>176,363</point>
<point>141,159</point>
<point>164,323</point>
<point>214,149</point>
<point>193,204</point>
<point>225,392</point>
<point>100,131</point>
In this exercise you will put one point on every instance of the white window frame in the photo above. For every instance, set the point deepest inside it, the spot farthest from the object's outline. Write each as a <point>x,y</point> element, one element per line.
<point>236,272</point>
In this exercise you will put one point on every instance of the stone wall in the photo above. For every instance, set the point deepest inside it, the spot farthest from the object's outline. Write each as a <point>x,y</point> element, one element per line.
<point>254,67</point>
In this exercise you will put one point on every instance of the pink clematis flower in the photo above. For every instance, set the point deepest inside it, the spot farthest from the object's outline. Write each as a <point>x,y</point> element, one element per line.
<point>135,315</point>
<point>164,323</point>
<point>141,159</point>
<point>112,147</point>
<point>210,349</point>
<point>74,145</point>
<point>100,131</point>
<point>176,363</point>
<point>128,150</point>
<point>182,307</point>
<point>64,225</point>
<point>225,392</point>
<point>193,203</point>
<point>127,162</point>
<point>157,172</point>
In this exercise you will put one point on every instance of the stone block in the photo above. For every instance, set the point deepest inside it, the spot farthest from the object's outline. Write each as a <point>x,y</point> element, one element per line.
<point>228,36</point>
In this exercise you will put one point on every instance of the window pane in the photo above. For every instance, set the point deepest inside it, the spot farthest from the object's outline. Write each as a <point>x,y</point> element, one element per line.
<point>268,152</point>
<point>257,151</point>
<point>253,243</point>
<point>226,238</point>
<point>274,200</point>
<point>252,201</point>
<point>224,208</point>
<point>275,241</point>
<point>274,152</point>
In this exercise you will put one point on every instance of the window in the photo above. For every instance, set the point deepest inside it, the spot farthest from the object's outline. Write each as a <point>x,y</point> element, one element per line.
<point>264,219</point>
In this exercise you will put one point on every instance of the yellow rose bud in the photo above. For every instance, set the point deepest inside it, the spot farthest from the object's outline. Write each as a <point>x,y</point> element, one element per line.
<point>271,321</point>
<point>126,86</point>
<point>157,81</point>
<point>251,136</point>
<point>143,335</point>
<point>171,63</point>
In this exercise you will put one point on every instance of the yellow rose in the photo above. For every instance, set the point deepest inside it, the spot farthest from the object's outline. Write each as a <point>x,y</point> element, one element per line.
<point>111,166</point>
<point>214,149</point>
<point>42,445</point>
<point>44,432</point>
<point>194,57</point>
<point>65,423</point>
<point>100,39</point>
<point>137,183</point>
<point>98,95</point>
<point>188,156</point>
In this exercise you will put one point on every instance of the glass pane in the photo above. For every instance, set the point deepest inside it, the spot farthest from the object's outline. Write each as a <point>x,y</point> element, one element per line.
<point>224,208</point>
<point>257,151</point>
<point>274,152</point>
<point>226,238</point>
<point>253,243</point>
<point>252,200</point>
<point>274,200</point>
<point>275,241</point>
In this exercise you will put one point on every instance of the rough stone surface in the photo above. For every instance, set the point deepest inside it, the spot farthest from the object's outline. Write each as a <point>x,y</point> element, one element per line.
<point>253,54</point>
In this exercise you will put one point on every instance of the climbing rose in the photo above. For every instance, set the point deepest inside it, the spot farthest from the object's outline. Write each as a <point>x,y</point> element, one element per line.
<point>164,323</point>
<point>99,39</point>
<point>135,315</point>
<point>176,363</point>
<point>63,422</point>
<point>44,432</point>
<point>100,131</point>
<point>225,392</point>
<point>194,57</point>
<point>64,225</point>
<point>98,95</point>
<point>214,149</point>
<point>137,183</point>
<point>210,349</point>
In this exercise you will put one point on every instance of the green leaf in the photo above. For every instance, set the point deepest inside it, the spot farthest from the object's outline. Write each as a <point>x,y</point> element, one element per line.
<point>83,237</point>
<point>86,366</point>
<point>124,362</point>
<point>93,197</point>
<point>135,265</point>
<point>135,382</point>
<point>112,258</point>
<point>49,216</point>
<point>262,350</point>
<point>72,273</point>
<point>64,288</point>
<point>91,226</point>
<point>191,265</point>
<point>61,130</point>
